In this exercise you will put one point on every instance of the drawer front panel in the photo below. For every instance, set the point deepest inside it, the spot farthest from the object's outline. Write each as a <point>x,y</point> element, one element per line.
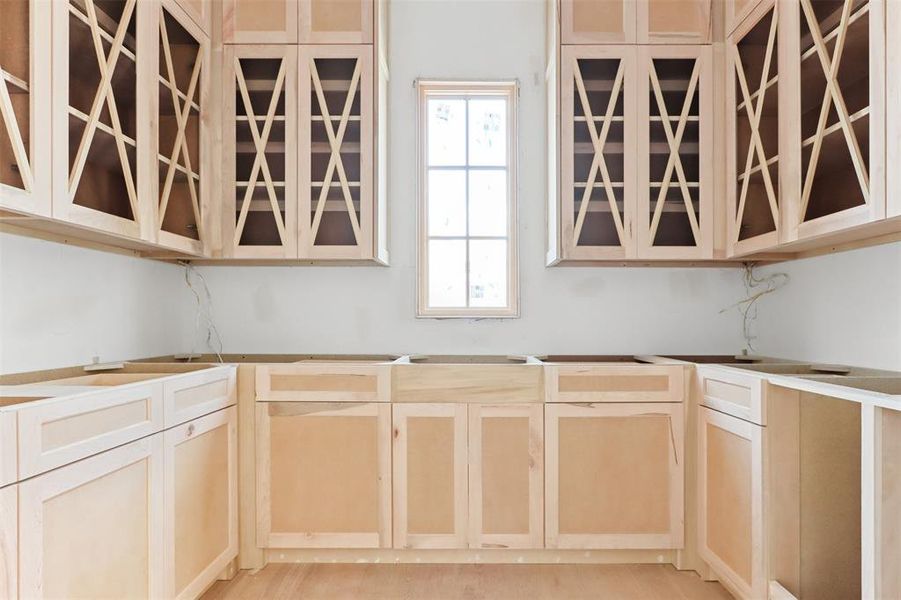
<point>195,395</point>
<point>62,432</point>
<point>516,384</point>
<point>735,394</point>
<point>323,383</point>
<point>598,383</point>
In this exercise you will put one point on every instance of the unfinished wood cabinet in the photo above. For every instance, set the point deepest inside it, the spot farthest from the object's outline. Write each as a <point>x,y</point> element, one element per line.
<point>674,21</point>
<point>201,499</point>
<point>182,135</point>
<point>259,214</point>
<point>885,520</point>
<point>753,146</point>
<point>598,21</point>
<point>198,394</point>
<point>581,383</point>
<point>430,476</point>
<point>9,542</point>
<point>201,12</point>
<point>25,107</point>
<point>734,392</point>
<point>323,475</point>
<point>737,11</point>
<point>103,78</point>
<point>94,529</point>
<point>336,212</point>
<point>506,468</point>
<point>9,454</point>
<point>893,110</point>
<point>731,502</point>
<point>598,146</point>
<point>676,154</point>
<point>336,21</point>
<point>614,476</point>
<point>835,55</point>
<point>259,21</point>
<point>328,382</point>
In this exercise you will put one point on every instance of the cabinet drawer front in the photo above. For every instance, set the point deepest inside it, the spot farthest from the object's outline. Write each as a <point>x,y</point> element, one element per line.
<point>323,383</point>
<point>8,456</point>
<point>56,434</point>
<point>467,383</point>
<point>195,395</point>
<point>735,394</point>
<point>634,383</point>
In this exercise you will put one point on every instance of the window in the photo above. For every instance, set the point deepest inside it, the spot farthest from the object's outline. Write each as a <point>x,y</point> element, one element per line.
<point>467,208</point>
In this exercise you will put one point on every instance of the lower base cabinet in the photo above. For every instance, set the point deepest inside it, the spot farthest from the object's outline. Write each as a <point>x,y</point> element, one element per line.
<point>614,475</point>
<point>202,501</point>
<point>94,529</point>
<point>730,498</point>
<point>9,540</point>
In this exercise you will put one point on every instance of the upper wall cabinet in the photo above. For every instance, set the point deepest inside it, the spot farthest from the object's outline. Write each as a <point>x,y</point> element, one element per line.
<point>753,153</point>
<point>24,105</point>
<point>635,21</point>
<point>336,21</point>
<point>254,22</point>
<point>835,113</point>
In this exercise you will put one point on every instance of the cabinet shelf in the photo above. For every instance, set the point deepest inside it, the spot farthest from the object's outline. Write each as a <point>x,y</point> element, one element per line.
<point>275,119</point>
<point>654,148</point>
<point>108,27</point>
<point>264,206</point>
<point>864,112</point>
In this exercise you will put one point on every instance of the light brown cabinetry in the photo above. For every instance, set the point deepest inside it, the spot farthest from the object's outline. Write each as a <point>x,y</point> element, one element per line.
<point>885,520</point>
<point>298,21</point>
<point>336,21</point>
<point>255,22</point>
<point>893,110</point>
<point>9,541</point>
<point>24,107</point>
<point>201,12</point>
<point>323,475</point>
<point>201,499</point>
<point>614,476</point>
<point>635,21</point>
<point>110,507</point>
<point>430,475</point>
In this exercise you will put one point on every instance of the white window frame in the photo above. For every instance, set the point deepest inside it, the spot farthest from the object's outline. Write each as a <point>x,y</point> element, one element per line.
<point>427,89</point>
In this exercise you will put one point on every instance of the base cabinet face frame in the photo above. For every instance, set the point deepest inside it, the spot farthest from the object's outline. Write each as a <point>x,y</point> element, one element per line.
<point>122,489</point>
<point>738,452</point>
<point>201,496</point>
<point>332,425</point>
<point>9,541</point>
<point>578,521</point>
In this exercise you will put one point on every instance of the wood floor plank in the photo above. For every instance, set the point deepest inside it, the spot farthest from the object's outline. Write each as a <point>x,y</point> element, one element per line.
<point>466,582</point>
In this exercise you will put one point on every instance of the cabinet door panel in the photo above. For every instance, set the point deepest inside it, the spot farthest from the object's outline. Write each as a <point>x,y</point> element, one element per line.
<point>674,22</point>
<point>430,482</point>
<point>893,110</point>
<point>598,21</point>
<point>614,476</point>
<point>9,542</point>
<point>110,508</point>
<point>259,21</point>
<point>324,475</point>
<point>506,486</point>
<point>336,21</point>
<point>25,107</point>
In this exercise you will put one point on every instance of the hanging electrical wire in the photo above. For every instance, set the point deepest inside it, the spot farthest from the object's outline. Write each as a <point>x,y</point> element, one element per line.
<point>756,288</point>
<point>204,313</point>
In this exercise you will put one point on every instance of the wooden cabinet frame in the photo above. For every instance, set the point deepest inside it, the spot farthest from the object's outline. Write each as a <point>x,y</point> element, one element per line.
<point>30,141</point>
<point>363,35</point>
<point>646,36</point>
<point>674,126</point>
<point>672,539</point>
<point>173,438</point>
<point>233,34</point>
<point>478,538</point>
<point>201,11</point>
<point>736,15</point>
<point>893,110</point>
<point>9,541</point>
<point>587,383</point>
<point>569,34</point>
<point>402,537</point>
<point>323,383</point>
<point>757,586</point>
<point>202,393</point>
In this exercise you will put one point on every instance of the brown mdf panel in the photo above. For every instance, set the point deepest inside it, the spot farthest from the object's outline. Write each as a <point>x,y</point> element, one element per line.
<point>260,21</point>
<point>324,382</point>
<point>326,474</point>
<point>730,497</point>
<point>598,21</point>
<point>889,508</point>
<point>108,507</point>
<point>201,494</point>
<point>674,22</point>
<point>614,476</point>
<point>676,152</point>
<point>25,107</point>
<point>598,150</point>
<point>467,383</point>
<point>430,483</point>
<point>9,541</point>
<point>259,215</point>
<point>595,383</point>
<point>336,21</point>
<point>506,493</point>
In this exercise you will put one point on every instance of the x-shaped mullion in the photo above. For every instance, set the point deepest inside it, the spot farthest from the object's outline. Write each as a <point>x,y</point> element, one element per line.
<point>754,112</point>
<point>180,146</point>
<point>832,94</point>
<point>15,135</point>
<point>259,141</point>
<point>335,140</point>
<point>598,162</point>
<point>674,141</point>
<point>107,66</point>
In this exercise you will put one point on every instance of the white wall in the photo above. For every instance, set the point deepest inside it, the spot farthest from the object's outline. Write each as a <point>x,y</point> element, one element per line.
<point>579,310</point>
<point>843,308</point>
<point>61,306</point>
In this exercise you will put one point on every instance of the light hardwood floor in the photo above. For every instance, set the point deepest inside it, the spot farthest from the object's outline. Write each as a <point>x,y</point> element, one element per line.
<point>469,582</point>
